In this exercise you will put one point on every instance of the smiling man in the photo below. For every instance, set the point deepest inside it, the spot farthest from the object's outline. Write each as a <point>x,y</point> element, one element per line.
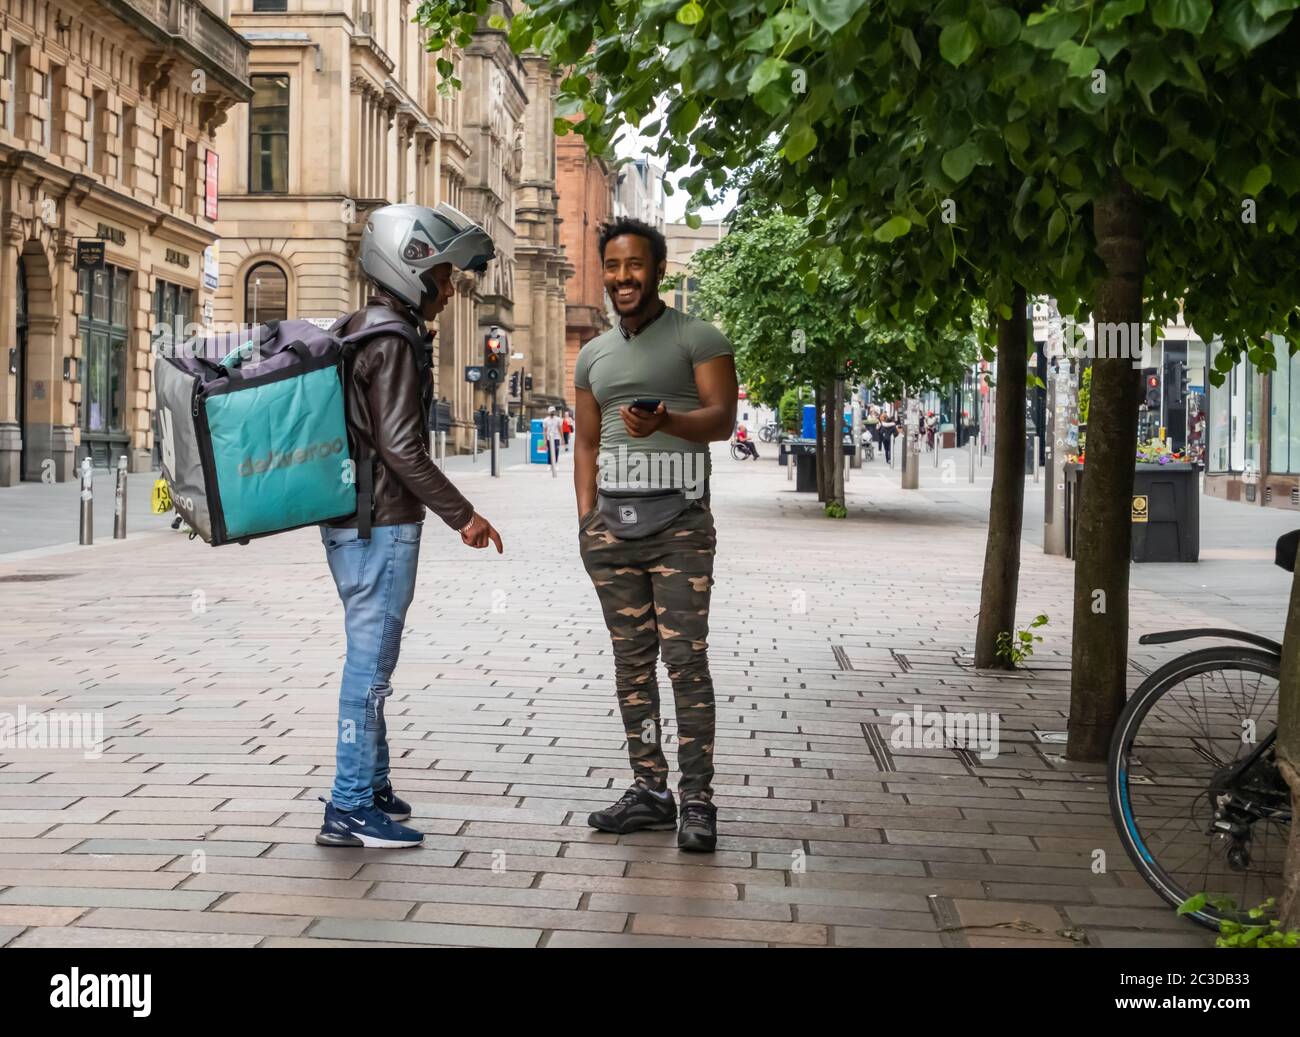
<point>652,393</point>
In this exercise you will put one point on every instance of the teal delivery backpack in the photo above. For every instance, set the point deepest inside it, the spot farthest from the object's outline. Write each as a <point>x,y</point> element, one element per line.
<point>253,430</point>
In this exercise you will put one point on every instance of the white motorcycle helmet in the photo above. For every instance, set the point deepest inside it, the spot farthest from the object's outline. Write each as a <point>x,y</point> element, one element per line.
<point>402,243</point>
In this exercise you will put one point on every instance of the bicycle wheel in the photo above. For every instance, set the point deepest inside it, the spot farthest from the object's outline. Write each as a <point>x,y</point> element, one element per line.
<point>1195,795</point>
<point>766,433</point>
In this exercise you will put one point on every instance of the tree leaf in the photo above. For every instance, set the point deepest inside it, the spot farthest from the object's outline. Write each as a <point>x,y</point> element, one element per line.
<point>1001,26</point>
<point>959,162</point>
<point>1267,8</point>
<point>892,229</point>
<point>799,142</point>
<point>833,15</point>
<point>1190,15</point>
<point>693,220</point>
<point>1244,27</point>
<point>957,42</point>
<point>769,70</point>
<point>1080,60</point>
<point>1117,10</point>
<point>690,13</point>
<point>908,43</point>
<point>1257,179</point>
<point>1055,228</point>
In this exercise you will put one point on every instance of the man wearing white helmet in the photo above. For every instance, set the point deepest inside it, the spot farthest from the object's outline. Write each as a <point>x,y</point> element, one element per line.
<point>407,252</point>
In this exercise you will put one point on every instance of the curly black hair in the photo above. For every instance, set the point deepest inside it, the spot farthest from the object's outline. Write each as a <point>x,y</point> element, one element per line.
<point>627,225</point>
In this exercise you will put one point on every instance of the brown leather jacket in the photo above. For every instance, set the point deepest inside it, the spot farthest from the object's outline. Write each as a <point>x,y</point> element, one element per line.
<point>388,407</point>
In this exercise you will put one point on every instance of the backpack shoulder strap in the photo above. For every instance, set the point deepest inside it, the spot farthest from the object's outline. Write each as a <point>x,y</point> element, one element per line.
<point>351,344</point>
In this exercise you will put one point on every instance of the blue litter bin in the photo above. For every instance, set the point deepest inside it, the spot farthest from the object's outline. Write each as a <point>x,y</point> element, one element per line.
<point>809,421</point>
<point>537,443</point>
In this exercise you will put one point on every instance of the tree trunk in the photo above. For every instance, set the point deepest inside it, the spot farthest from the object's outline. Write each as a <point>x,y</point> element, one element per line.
<point>1288,756</point>
<point>819,455</point>
<point>834,425</point>
<point>1101,547</point>
<point>1007,503</point>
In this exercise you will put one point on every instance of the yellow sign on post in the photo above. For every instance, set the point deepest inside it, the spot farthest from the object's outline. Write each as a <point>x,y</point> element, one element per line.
<point>162,497</point>
<point>1139,507</point>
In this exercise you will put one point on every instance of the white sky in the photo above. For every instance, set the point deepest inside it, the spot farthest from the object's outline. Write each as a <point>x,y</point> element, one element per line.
<point>675,204</point>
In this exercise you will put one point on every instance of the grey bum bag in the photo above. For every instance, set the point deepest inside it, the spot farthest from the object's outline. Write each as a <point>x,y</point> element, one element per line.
<point>634,514</point>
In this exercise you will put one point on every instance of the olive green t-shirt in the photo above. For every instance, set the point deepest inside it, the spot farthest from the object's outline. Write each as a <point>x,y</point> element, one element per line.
<point>657,364</point>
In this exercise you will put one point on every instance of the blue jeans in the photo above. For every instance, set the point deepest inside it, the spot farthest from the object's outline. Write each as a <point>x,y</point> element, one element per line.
<point>376,582</point>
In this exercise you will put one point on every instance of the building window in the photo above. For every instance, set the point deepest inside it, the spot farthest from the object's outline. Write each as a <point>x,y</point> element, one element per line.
<point>173,312</point>
<point>269,6</point>
<point>166,166</point>
<point>1284,413</point>
<point>103,325</point>
<point>1236,411</point>
<point>126,146</point>
<point>266,294</point>
<point>7,68</point>
<point>52,118</point>
<point>268,135</point>
<point>19,84</point>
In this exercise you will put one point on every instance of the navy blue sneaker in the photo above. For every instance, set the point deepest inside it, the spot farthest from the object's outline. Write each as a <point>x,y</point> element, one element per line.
<point>387,801</point>
<point>365,826</point>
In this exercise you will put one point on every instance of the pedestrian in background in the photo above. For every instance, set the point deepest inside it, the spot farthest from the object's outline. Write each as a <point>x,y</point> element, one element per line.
<point>566,428</point>
<point>888,429</point>
<point>551,429</point>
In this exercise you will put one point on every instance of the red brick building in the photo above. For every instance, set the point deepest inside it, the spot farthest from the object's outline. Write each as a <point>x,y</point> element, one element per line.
<point>586,189</point>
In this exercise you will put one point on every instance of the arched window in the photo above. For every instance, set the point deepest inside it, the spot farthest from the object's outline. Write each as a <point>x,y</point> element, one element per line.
<point>266,294</point>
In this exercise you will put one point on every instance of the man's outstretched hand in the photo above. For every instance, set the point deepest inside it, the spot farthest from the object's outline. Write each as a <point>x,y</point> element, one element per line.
<point>479,533</point>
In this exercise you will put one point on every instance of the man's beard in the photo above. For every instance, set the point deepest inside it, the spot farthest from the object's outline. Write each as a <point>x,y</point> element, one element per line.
<point>645,303</point>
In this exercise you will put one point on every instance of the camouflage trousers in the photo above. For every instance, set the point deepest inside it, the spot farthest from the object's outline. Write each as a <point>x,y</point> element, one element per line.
<point>655,596</point>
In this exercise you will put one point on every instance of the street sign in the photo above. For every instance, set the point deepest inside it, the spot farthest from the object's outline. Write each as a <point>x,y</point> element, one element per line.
<point>90,254</point>
<point>474,373</point>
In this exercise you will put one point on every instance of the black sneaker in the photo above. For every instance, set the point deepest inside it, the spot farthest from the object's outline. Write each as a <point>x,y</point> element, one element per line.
<point>639,810</point>
<point>364,826</point>
<point>387,801</point>
<point>698,831</point>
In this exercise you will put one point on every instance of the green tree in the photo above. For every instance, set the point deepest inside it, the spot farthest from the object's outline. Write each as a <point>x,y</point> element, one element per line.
<point>1121,156</point>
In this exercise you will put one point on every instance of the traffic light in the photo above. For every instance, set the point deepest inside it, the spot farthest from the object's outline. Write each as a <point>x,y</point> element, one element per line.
<point>514,384</point>
<point>528,383</point>
<point>494,356</point>
<point>1153,391</point>
<point>1183,381</point>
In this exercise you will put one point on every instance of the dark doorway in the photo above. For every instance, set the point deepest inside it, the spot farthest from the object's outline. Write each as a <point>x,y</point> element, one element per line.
<point>20,371</point>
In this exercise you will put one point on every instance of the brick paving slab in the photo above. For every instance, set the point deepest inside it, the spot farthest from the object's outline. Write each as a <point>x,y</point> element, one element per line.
<point>194,825</point>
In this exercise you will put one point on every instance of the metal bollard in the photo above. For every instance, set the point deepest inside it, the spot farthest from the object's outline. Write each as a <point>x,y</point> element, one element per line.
<point>87,535</point>
<point>119,501</point>
<point>442,449</point>
<point>475,437</point>
<point>789,465</point>
<point>1035,438</point>
<point>848,467</point>
<point>970,443</point>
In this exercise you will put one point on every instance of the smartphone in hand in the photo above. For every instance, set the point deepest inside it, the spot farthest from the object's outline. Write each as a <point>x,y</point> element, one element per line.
<point>649,406</point>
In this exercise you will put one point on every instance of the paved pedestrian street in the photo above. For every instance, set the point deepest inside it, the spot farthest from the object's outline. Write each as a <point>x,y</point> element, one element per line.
<point>215,675</point>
